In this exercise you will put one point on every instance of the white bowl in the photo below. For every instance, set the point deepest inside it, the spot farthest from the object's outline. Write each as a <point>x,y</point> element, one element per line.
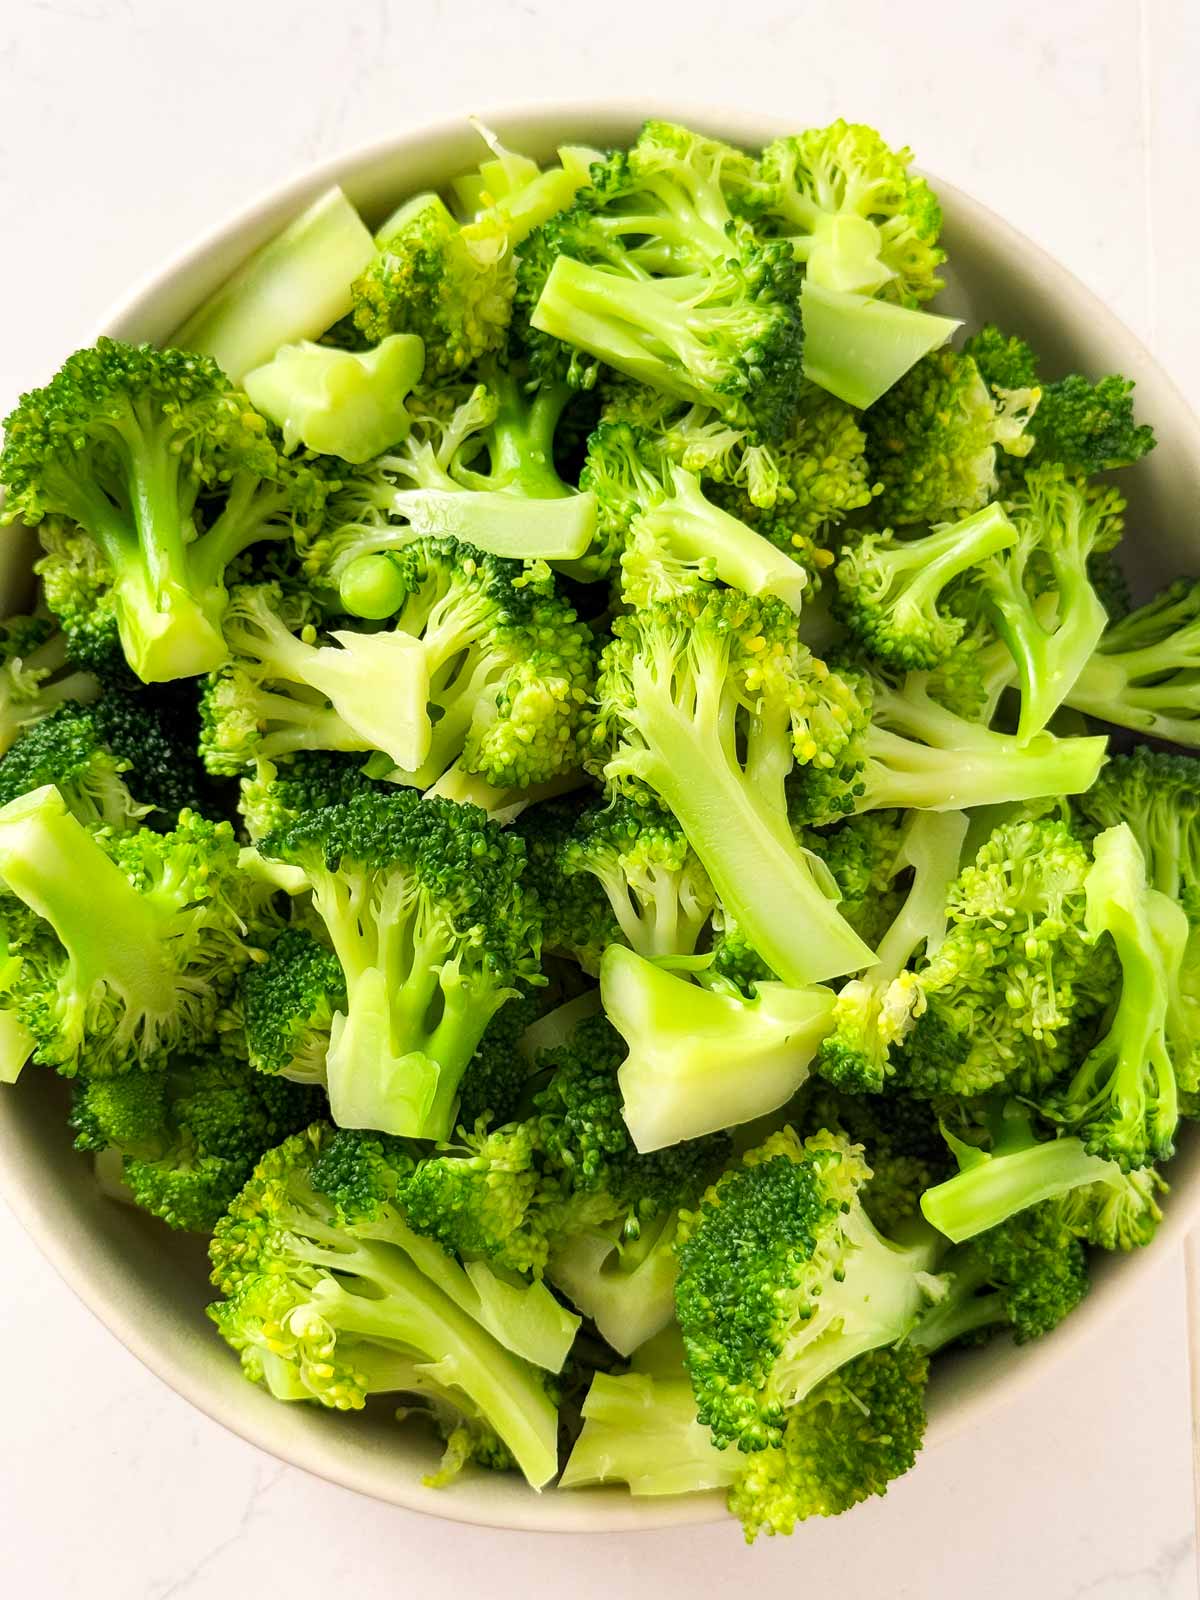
<point>150,1287</point>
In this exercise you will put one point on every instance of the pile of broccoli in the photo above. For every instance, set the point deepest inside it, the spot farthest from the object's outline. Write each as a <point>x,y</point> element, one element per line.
<point>556,801</point>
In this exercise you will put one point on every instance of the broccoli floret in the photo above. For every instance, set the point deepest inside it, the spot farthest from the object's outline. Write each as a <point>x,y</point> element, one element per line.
<point>189,1136</point>
<point>93,754</point>
<point>1025,1275</point>
<point>36,675</point>
<point>658,891</point>
<point>288,1005</point>
<point>1158,795</point>
<point>425,909</point>
<point>171,474</point>
<point>1096,1200</point>
<point>1123,1100</point>
<point>1002,997</point>
<point>932,440</point>
<point>890,590</point>
<point>1040,595</point>
<point>918,753</point>
<point>493,1086</point>
<point>856,216</point>
<point>451,279</point>
<point>854,1434</point>
<point>576,915</point>
<point>654,518</point>
<point>703,1056</point>
<point>275,796</point>
<point>150,934</point>
<point>877,1011</point>
<point>673,688</point>
<point>783,1279</point>
<point>336,1307</point>
<point>862,854</point>
<point>1143,674</point>
<point>284,692</point>
<point>652,274</point>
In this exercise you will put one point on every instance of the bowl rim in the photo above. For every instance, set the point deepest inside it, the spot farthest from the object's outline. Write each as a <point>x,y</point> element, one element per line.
<point>607,1510</point>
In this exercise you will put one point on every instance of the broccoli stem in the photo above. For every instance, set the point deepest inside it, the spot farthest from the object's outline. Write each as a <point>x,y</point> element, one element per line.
<point>16,1046</point>
<point>692,530</point>
<point>995,1187</point>
<point>1049,653</point>
<point>295,287</point>
<point>760,875</point>
<point>856,348</point>
<point>627,1287</point>
<point>641,1429</point>
<point>112,934</point>
<point>506,524</point>
<point>1120,689</point>
<point>961,1311</point>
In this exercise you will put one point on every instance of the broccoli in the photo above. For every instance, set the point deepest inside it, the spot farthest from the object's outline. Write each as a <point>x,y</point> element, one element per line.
<point>150,934</point>
<point>1060,525</point>
<point>1084,427</point>
<point>703,1056</point>
<point>93,753</point>
<point>1123,1100</point>
<point>1001,999</point>
<point>425,909</point>
<point>577,917</point>
<point>626,1286</point>
<point>493,1086</point>
<point>889,590</point>
<point>272,797</point>
<point>856,216</point>
<point>658,891</point>
<point>673,687</point>
<point>932,441</point>
<point>36,675</point>
<point>652,273</point>
<point>288,1004</point>
<point>783,1279</point>
<point>1095,1199</point>
<point>862,854</point>
<point>190,1135</point>
<point>919,753</point>
<point>504,664</point>
<point>284,692</point>
<point>171,474</point>
<point>1143,673</point>
<point>328,1295</point>
<point>451,280</point>
<point>877,1011</point>
<point>1158,795</point>
<point>1026,1275</point>
<point>339,402</point>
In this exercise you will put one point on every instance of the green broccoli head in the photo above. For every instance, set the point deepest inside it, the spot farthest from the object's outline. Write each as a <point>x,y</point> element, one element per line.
<point>288,1003</point>
<point>275,795</point>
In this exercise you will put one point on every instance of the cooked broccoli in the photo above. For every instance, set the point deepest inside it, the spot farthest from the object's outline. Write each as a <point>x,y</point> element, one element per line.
<point>274,796</point>
<point>288,1004</point>
<point>890,590</point>
<point>150,934</point>
<point>425,909</point>
<point>673,687</point>
<point>190,1135</point>
<point>36,675</point>
<point>1040,594</point>
<point>576,916</point>
<point>877,1011</point>
<point>1158,795</point>
<point>328,1295</point>
<point>783,1279</point>
<point>932,440</point>
<point>171,474</point>
<point>1143,674</point>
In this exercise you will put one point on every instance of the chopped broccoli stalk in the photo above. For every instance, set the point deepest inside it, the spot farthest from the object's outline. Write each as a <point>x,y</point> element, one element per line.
<point>424,906</point>
<point>1143,674</point>
<point>1124,1099</point>
<point>149,935</point>
<point>133,444</point>
<point>626,1286</point>
<point>876,1011</point>
<point>706,1057</point>
<point>335,1307</point>
<point>339,402</point>
<point>673,686</point>
<point>889,590</point>
<point>295,287</point>
<point>282,692</point>
<point>783,1279</point>
<point>857,348</point>
<point>1060,525</point>
<point>640,1429</point>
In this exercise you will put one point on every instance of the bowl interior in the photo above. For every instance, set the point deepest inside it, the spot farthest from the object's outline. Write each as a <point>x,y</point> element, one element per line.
<point>149,1287</point>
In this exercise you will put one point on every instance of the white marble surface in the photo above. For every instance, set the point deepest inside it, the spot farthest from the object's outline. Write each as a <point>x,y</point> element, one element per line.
<point>127,126</point>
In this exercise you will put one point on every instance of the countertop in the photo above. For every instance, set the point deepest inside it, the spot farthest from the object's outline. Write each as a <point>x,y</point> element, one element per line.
<point>128,127</point>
